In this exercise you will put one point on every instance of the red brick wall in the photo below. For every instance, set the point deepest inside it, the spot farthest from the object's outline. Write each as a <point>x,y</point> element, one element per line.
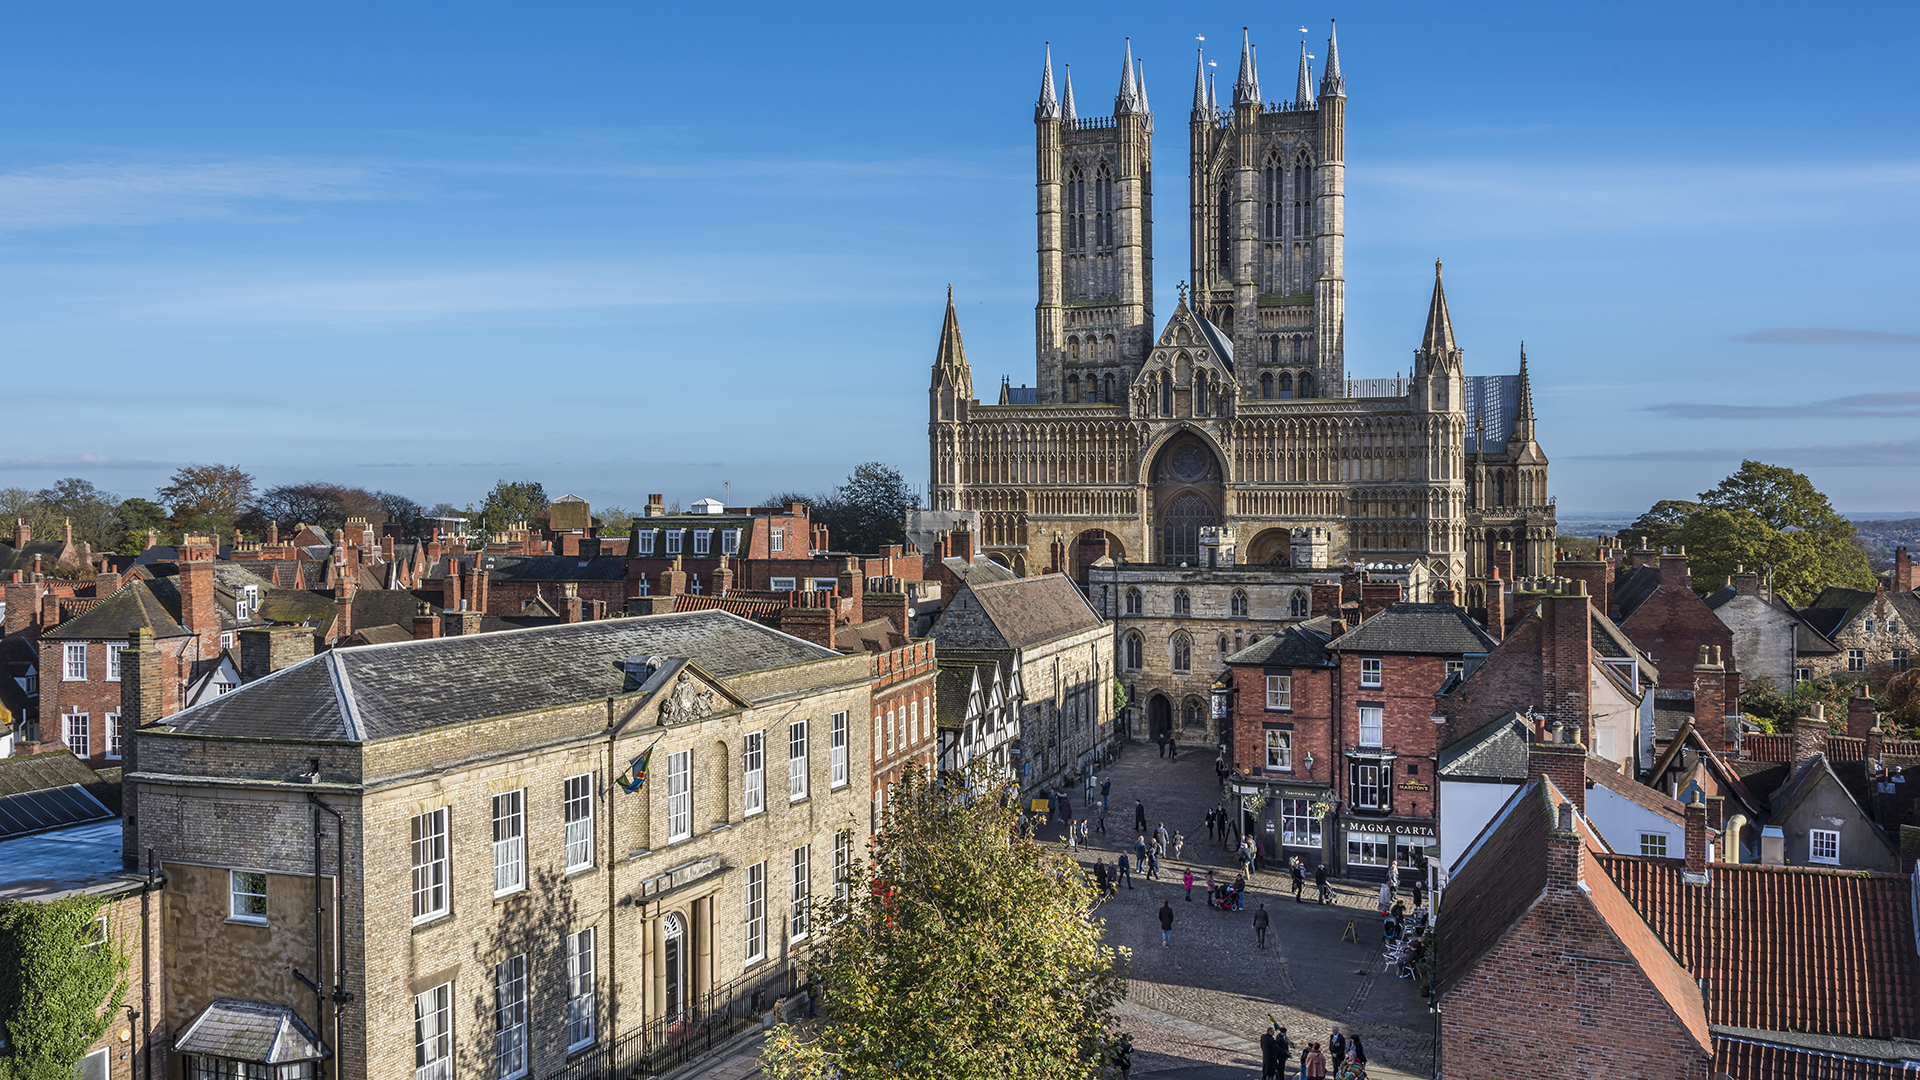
<point>1559,999</point>
<point>1311,717</point>
<point>903,677</point>
<point>1670,627</point>
<point>1407,686</point>
<point>508,597</point>
<point>96,696</point>
<point>1509,679</point>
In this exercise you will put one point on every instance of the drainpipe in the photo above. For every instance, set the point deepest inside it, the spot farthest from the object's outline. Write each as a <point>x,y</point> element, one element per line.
<point>341,996</point>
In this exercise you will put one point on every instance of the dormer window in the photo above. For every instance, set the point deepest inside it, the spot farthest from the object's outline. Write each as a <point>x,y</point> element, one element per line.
<point>702,541</point>
<point>729,541</point>
<point>646,542</point>
<point>674,540</point>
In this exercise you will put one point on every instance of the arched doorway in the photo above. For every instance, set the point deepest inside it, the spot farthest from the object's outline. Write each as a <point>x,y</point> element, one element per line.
<point>674,952</point>
<point>1274,547</point>
<point>1159,717</point>
<point>1188,491</point>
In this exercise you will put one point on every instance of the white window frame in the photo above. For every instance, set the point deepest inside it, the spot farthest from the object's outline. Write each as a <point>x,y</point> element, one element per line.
<point>680,796</point>
<point>1653,845</point>
<point>577,811</point>
<point>1280,692</point>
<point>645,547</point>
<point>799,918</point>
<point>777,540</point>
<point>510,1018</point>
<point>430,857</point>
<point>1298,826</point>
<point>510,842</point>
<point>73,666</point>
<point>1380,772</point>
<point>1373,728</point>
<point>1279,750</point>
<point>755,908</point>
<point>433,1033</point>
<point>843,864</point>
<point>702,541</point>
<point>87,1065</point>
<point>77,733</point>
<point>580,989</point>
<point>226,639</point>
<point>1802,674</point>
<point>1823,846</point>
<point>797,760</point>
<point>114,649</point>
<point>755,759</point>
<point>729,541</point>
<point>826,584</point>
<point>676,539</point>
<point>242,899</point>
<point>1856,660</point>
<point>1370,672</point>
<point>1456,667</point>
<point>838,745</point>
<point>116,742</point>
<point>783,584</point>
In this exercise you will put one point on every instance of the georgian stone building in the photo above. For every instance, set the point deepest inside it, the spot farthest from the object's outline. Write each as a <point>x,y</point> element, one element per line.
<point>1238,411</point>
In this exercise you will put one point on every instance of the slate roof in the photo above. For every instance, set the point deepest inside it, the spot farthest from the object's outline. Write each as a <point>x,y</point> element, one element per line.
<point>1033,611</point>
<point>1497,751</point>
<point>556,568</point>
<point>135,606</point>
<point>242,1030</point>
<point>1296,646</point>
<point>37,772</point>
<point>1606,774</point>
<point>21,558</point>
<point>1220,340</point>
<point>1672,710</point>
<point>1632,591</point>
<point>1835,607</point>
<point>1425,629</point>
<point>390,607</point>
<point>1787,948</point>
<point>979,571</point>
<point>874,635</point>
<point>372,692</point>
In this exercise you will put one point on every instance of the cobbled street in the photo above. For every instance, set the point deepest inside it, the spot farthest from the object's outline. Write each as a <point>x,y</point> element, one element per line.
<point>1196,1009</point>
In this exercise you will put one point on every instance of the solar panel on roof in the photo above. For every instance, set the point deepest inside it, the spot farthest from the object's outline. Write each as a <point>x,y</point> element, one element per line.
<point>49,808</point>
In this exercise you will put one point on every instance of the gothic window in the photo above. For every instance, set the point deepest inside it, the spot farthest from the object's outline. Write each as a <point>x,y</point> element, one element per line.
<point>1076,209</point>
<point>1225,238</point>
<point>1223,643</point>
<point>1306,385</point>
<point>1500,489</point>
<point>1180,528</point>
<point>1200,394</point>
<point>1273,350</point>
<point>1302,197</point>
<point>1286,384</point>
<point>1108,396</point>
<point>1109,348</point>
<point>1073,348</point>
<point>1239,603</point>
<point>1276,208</point>
<point>1103,206</point>
<point>1166,393</point>
<point>1266,384</point>
<point>1134,601</point>
<point>1073,389</point>
<point>1133,651</point>
<point>1182,602</point>
<point>1297,604</point>
<point>1182,654</point>
<point>1299,350</point>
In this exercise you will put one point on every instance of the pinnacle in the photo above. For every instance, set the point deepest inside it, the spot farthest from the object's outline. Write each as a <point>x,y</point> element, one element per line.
<point>1331,84</point>
<point>952,353</point>
<point>1128,99</point>
<point>1200,105</point>
<point>1439,336</point>
<point>1067,112</point>
<point>1048,107</point>
<point>1140,83</point>
<point>1246,89</point>
<point>1303,91</point>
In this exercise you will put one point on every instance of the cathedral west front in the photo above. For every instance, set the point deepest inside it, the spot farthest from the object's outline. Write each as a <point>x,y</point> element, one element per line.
<point>1147,443</point>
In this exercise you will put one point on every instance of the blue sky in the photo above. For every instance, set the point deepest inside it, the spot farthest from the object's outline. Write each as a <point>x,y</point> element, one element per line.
<point>623,249</point>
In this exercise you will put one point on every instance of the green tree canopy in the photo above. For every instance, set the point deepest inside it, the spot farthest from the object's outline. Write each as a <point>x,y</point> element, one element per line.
<point>867,511</point>
<point>1765,518</point>
<point>207,497</point>
<point>967,953</point>
<point>512,501</point>
<point>136,516</point>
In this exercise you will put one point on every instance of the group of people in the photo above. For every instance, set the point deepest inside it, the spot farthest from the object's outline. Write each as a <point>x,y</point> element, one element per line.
<point>1344,1058</point>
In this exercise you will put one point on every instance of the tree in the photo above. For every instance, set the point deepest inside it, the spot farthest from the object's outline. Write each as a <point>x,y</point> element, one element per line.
<point>868,510</point>
<point>614,520</point>
<point>207,496</point>
<point>1900,709</point>
<point>136,517</point>
<point>968,951</point>
<point>314,502</point>
<point>61,985</point>
<point>89,509</point>
<point>410,516</point>
<point>1774,708</point>
<point>1763,517</point>
<point>510,502</point>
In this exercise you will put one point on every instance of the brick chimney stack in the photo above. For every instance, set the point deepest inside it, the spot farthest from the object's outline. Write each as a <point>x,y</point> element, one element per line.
<point>1746,582</point>
<point>888,602</point>
<point>152,540</point>
<point>962,544</point>
<point>1567,664</point>
<point>723,576</point>
<point>673,580</point>
<point>199,610</point>
<point>459,623</point>
<point>477,585</point>
<point>22,534</point>
<point>273,534</point>
<point>656,506</point>
<point>1709,692</point>
<point>570,606</point>
<point>1860,718</point>
<point>1562,757</point>
<point>1564,846</point>
<point>853,583</point>
<point>142,701</point>
<point>1902,570</point>
<point>343,610</point>
<point>1697,834</point>
<point>267,649</point>
<point>1810,733</point>
<point>1673,568</point>
<point>1497,606</point>
<point>1503,561</point>
<point>1443,593</point>
<point>426,626</point>
<point>1644,555</point>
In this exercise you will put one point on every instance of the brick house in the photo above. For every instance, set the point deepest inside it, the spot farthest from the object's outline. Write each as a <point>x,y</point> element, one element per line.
<point>499,897</point>
<point>1062,650</point>
<point>1656,607</point>
<point>905,725</point>
<point>1562,958</point>
<point>1282,703</point>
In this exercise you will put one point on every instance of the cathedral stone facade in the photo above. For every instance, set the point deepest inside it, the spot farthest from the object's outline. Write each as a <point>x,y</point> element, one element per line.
<point>1236,414</point>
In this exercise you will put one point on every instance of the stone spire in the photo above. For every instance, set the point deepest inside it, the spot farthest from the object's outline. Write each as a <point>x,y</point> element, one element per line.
<point>1246,89</point>
<point>1066,102</point>
<point>952,355</point>
<point>1140,84</point>
<point>1331,84</point>
<point>1439,336</point>
<point>1303,93</point>
<point>1128,99</point>
<point>1202,109</point>
<point>1525,408</point>
<point>1048,107</point>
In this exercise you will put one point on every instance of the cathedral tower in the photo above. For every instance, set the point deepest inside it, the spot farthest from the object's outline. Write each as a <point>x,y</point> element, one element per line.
<point>1439,399</point>
<point>1266,227</point>
<point>1093,324</point>
<point>949,403</point>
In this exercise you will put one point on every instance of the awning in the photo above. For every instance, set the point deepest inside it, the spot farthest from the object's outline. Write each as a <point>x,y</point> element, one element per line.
<point>256,1031</point>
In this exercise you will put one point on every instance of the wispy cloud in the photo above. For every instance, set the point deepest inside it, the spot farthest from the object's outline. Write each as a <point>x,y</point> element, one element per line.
<point>36,462</point>
<point>60,196</point>
<point>1854,407</point>
<point>1896,454</point>
<point>1825,336</point>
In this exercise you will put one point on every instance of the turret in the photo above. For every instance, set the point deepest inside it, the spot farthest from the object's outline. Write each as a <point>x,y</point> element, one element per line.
<point>1523,410</point>
<point>1303,89</point>
<point>1439,397</point>
<point>1067,112</point>
<point>1127,100</point>
<point>1202,107</point>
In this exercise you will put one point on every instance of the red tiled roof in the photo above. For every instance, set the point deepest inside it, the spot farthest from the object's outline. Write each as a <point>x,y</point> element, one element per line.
<point>1767,748</point>
<point>1836,747</point>
<point>1788,948</point>
<point>1744,1059</point>
<point>1670,980</point>
<point>744,608</point>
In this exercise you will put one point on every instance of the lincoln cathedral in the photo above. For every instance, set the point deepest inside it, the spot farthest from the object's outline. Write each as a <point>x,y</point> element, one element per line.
<point>1235,417</point>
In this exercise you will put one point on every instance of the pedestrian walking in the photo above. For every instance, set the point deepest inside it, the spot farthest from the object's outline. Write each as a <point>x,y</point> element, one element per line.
<point>1153,866</point>
<point>1166,922</point>
<point>1269,1055</point>
<point>1283,1045</point>
<point>1313,1064</point>
<point>1173,748</point>
<point>1179,842</point>
<point>1161,742</point>
<point>1386,905</point>
<point>1085,831</point>
<point>1139,815</point>
<point>1102,823</point>
<point>1160,836</point>
<point>1140,849</point>
<point>1261,920</point>
<point>1320,882</point>
<point>1210,824</point>
<point>1106,788</point>
<point>1337,1048</point>
<point>1299,880</point>
<point>1239,894</point>
<point>1209,882</point>
<point>1125,874</point>
<point>1066,808</point>
<point>1393,877</point>
<point>1071,834</point>
<point>1187,880</point>
<point>1100,877</point>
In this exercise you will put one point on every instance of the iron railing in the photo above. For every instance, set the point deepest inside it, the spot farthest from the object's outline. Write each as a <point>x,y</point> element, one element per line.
<point>704,1024</point>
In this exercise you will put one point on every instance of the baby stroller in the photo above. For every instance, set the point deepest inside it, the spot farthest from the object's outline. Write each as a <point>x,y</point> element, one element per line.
<point>1225,897</point>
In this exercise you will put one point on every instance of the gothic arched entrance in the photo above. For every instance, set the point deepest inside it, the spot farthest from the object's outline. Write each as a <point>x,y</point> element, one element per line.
<point>1188,494</point>
<point>1159,717</point>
